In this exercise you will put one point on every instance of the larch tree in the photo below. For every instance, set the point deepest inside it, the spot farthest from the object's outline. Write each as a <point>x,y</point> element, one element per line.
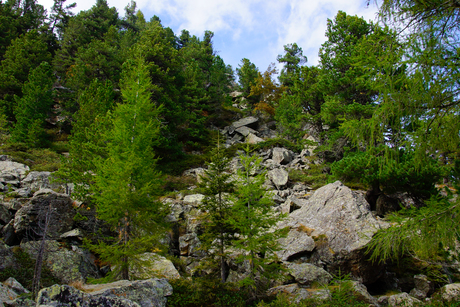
<point>217,207</point>
<point>254,219</point>
<point>127,183</point>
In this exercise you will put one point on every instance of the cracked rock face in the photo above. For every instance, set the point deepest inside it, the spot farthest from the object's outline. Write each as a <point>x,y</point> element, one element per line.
<point>331,229</point>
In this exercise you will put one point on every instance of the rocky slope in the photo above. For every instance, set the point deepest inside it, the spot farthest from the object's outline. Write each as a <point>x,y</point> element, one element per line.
<point>328,231</point>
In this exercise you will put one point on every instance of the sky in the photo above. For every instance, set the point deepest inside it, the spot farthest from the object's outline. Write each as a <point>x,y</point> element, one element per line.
<point>253,29</point>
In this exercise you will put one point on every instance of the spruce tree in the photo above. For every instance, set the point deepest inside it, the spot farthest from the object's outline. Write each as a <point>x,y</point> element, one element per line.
<point>126,181</point>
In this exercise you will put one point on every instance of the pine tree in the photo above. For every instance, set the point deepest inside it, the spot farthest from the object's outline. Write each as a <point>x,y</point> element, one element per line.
<point>126,181</point>
<point>254,219</point>
<point>217,232</point>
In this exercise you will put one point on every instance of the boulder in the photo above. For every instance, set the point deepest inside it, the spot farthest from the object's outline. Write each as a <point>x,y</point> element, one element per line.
<point>297,243</point>
<point>15,285</point>
<point>63,295</point>
<point>294,292</point>
<point>279,177</point>
<point>307,274</point>
<point>146,293</point>
<point>194,199</point>
<point>247,121</point>
<point>11,173</point>
<point>282,155</point>
<point>66,265</point>
<point>38,180</point>
<point>5,215</point>
<point>189,245</point>
<point>30,219</point>
<point>7,295</point>
<point>403,299</point>
<point>450,293</point>
<point>245,131</point>
<point>337,223</point>
<point>422,287</point>
<point>153,265</point>
<point>361,293</point>
<point>7,257</point>
<point>253,139</point>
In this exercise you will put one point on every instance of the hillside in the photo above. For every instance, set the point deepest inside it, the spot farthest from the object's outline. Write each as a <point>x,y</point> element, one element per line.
<point>130,153</point>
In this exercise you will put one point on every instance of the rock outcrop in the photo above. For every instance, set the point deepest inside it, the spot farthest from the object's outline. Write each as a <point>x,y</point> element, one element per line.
<point>331,229</point>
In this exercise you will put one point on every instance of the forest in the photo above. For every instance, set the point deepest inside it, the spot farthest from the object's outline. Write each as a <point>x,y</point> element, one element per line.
<point>120,107</point>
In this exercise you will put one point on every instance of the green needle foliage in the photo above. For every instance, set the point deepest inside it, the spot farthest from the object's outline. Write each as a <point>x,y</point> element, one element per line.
<point>32,109</point>
<point>127,183</point>
<point>254,219</point>
<point>217,229</point>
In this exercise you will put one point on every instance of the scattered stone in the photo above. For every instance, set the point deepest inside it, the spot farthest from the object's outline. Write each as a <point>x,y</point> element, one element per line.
<point>244,131</point>
<point>282,155</point>
<point>194,199</point>
<point>247,121</point>
<point>253,139</point>
<point>279,177</point>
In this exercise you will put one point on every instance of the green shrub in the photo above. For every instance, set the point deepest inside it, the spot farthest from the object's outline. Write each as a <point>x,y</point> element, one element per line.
<point>205,292</point>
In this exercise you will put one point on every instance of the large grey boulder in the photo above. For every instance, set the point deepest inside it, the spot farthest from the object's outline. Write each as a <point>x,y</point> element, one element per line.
<point>30,219</point>
<point>63,296</point>
<point>146,293</point>
<point>340,223</point>
<point>66,265</point>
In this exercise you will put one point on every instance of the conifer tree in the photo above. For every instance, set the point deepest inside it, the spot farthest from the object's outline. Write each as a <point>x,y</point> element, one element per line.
<point>87,141</point>
<point>217,232</point>
<point>126,181</point>
<point>254,219</point>
<point>34,106</point>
